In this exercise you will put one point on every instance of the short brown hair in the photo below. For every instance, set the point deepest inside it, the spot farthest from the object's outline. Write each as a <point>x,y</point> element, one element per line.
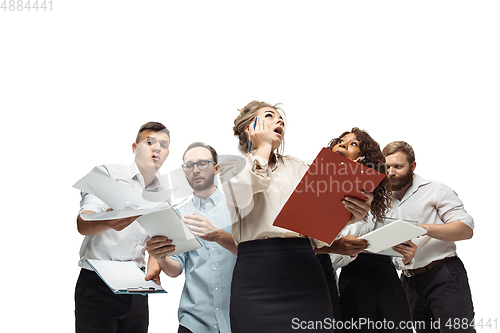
<point>152,126</point>
<point>246,117</point>
<point>204,145</point>
<point>396,146</point>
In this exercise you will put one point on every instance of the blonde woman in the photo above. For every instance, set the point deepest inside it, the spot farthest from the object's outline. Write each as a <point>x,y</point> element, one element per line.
<point>278,284</point>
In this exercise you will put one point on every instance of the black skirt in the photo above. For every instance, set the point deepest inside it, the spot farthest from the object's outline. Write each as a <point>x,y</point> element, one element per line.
<point>331,280</point>
<point>279,286</point>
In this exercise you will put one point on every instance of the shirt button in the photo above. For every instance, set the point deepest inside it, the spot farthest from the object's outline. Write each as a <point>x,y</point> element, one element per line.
<point>216,309</point>
<point>216,288</point>
<point>215,268</point>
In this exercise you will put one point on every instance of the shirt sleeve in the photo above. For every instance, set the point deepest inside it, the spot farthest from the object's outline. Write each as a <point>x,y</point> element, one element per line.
<point>91,203</point>
<point>398,263</point>
<point>450,207</point>
<point>356,229</point>
<point>180,258</point>
<point>242,178</point>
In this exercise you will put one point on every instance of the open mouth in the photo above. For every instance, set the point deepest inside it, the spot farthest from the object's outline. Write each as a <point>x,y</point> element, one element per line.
<point>279,130</point>
<point>340,152</point>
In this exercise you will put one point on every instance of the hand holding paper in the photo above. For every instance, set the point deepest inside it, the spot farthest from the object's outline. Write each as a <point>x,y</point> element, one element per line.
<point>124,277</point>
<point>159,247</point>
<point>121,223</point>
<point>348,245</point>
<point>128,205</point>
<point>167,223</point>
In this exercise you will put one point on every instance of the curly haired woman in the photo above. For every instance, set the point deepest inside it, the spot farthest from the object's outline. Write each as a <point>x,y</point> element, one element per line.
<point>369,285</point>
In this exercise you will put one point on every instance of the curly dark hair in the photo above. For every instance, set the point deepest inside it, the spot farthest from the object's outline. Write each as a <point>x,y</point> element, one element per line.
<point>373,158</point>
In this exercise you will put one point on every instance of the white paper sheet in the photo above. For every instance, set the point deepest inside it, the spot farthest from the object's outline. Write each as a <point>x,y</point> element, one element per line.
<point>157,218</point>
<point>168,223</point>
<point>120,276</point>
<point>390,235</point>
<point>128,211</point>
<point>117,194</point>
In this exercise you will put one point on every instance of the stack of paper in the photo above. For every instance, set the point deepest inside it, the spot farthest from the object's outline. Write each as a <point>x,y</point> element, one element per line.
<point>157,219</point>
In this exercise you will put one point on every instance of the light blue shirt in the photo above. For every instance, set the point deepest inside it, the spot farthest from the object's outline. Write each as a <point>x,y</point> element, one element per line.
<point>204,304</point>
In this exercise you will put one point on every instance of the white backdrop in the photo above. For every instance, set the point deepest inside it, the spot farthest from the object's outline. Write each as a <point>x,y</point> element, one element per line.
<point>78,81</point>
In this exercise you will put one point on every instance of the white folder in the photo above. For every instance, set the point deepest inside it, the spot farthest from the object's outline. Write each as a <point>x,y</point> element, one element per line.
<point>124,277</point>
<point>168,223</point>
<point>391,234</point>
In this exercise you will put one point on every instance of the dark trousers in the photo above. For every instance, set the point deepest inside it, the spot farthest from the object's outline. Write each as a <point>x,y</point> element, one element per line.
<point>440,299</point>
<point>98,309</point>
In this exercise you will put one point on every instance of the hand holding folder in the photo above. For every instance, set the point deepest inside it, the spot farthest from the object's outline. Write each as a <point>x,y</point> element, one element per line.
<point>124,277</point>
<point>315,207</point>
<point>390,251</point>
<point>391,234</point>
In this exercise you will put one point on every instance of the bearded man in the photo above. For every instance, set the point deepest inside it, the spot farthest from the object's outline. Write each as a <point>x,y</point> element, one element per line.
<point>204,304</point>
<point>437,286</point>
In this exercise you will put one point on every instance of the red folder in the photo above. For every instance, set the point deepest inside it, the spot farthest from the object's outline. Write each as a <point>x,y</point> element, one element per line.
<point>315,207</point>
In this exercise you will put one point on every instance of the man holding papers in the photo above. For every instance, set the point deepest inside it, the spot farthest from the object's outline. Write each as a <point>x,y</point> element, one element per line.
<point>437,286</point>
<point>204,304</point>
<point>97,308</point>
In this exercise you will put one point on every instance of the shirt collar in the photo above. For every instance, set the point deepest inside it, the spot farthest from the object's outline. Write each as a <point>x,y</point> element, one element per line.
<point>277,159</point>
<point>215,198</point>
<point>417,183</point>
<point>134,173</point>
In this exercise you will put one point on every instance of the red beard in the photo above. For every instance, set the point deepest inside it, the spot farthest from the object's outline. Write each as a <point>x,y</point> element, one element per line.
<point>397,183</point>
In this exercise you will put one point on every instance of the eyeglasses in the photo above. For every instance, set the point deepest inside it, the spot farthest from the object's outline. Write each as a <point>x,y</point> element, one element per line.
<point>202,165</point>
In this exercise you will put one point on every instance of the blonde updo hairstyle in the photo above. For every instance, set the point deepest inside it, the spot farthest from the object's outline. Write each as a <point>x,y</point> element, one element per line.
<point>247,117</point>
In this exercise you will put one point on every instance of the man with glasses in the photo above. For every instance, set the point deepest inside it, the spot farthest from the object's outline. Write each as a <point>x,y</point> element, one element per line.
<point>204,304</point>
